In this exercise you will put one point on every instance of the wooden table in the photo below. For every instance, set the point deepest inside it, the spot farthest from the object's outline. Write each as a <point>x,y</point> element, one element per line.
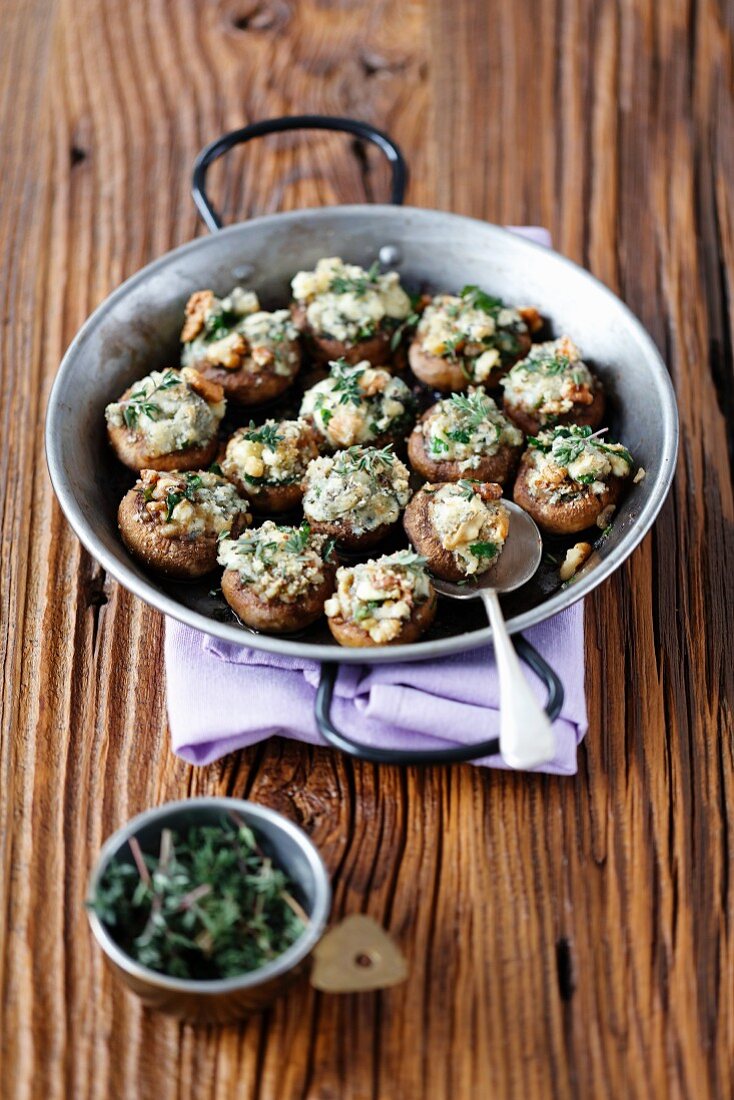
<point>565,937</point>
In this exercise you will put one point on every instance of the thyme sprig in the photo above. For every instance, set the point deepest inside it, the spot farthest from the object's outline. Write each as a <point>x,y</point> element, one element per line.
<point>474,408</point>
<point>210,905</point>
<point>267,434</point>
<point>359,285</point>
<point>139,402</point>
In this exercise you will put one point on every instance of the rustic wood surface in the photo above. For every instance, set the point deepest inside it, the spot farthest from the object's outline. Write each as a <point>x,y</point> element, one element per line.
<point>567,938</point>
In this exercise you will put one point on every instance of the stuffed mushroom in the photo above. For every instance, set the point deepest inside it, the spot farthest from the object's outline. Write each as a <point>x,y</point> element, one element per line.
<point>553,385</point>
<point>465,435</point>
<point>570,479</point>
<point>390,601</point>
<point>171,522</point>
<point>268,463</point>
<point>356,496</point>
<point>459,527</point>
<point>276,579</point>
<point>169,420</point>
<point>468,338</point>
<point>254,355</point>
<point>345,312</point>
<point>359,404</point>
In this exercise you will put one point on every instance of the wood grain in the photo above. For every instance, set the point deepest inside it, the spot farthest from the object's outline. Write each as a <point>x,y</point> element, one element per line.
<point>566,938</point>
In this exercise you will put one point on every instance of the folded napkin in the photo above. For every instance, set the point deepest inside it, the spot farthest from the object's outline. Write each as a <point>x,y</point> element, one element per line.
<point>223,697</point>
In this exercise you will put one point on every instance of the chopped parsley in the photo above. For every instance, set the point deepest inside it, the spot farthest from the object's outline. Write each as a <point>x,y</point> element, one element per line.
<point>476,298</point>
<point>218,323</point>
<point>483,549</point>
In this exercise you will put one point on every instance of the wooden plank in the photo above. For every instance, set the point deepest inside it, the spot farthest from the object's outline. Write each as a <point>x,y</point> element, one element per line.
<point>566,938</point>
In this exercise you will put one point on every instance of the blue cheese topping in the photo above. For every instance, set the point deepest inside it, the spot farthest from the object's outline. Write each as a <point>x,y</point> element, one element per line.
<point>473,328</point>
<point>467,428</point>
<point>277,563</point>
<point>347,303</point>
<point>275,453</point>
<point>380,595</point>
<point>190,505</point>
<point>472,529</point>
<point>362,486</point>
<point>356,404</point>
<point>550,381</point>
<point>568,462</point>
<point>235,333</point>
<point>170,410</point>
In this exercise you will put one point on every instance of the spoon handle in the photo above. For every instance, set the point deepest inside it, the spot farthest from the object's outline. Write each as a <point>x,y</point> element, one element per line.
<point>526,737</point>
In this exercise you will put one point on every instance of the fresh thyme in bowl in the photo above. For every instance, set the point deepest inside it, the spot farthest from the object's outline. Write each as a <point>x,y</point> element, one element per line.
<point>211,904</point>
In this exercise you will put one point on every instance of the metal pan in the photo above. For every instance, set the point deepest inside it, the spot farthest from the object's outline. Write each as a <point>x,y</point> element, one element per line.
<point>137,329</point>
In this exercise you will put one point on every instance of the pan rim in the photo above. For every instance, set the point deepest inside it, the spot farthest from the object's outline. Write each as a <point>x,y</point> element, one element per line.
<point>417,651</point>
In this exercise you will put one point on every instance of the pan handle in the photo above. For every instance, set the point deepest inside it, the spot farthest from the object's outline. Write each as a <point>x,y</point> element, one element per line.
<point>361,130</point>
<point>455,755</point>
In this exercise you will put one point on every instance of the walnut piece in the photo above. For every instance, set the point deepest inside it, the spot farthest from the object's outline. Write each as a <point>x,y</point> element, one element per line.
<point>262,356</point>
<point>212,392</point>
<point>575,558</point>
<point>531,317</point>
<point>196,310</point>
<point>230,352</point>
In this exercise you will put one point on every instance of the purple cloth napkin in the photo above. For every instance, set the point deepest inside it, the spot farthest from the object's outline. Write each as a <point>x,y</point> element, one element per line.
<point>224,697</point>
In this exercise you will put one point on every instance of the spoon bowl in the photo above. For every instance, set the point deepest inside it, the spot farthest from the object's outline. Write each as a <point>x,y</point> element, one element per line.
<point>526,735</point>
<point>517,564</point>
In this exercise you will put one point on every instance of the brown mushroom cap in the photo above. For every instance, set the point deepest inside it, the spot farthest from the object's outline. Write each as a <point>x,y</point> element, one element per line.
<point>564,517</point>
<point>349,633</point>
<point>277,616</point>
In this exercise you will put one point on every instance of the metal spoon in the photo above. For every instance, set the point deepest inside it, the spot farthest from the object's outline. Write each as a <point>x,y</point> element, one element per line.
<point>526,738</point>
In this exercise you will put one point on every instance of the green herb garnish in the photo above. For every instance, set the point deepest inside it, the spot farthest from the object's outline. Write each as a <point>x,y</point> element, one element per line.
<point>346,380</point>
<point>468,487</point>
<point>266,434</point>
<point>344,284</point>
<point>475,408</point>
<point>172,499</point>
<point>483,549</point>
<point>218,323</point>
<point>298,541</point>
<point>139,404</point>
<point>369,458</point>
<point>210,905</point>
<point>477,299</point>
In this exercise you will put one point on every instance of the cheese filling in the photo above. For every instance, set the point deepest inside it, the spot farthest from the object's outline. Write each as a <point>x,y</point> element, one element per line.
<point>189,505</point>
<point>356,404</point>
<point>550,381</point>
<point>347,303</point>
<point>380,595</point>
<point>276,453</point>
<point>235,333</point>
<point>472,328</point>
<point>361,486</point>
<point>165,410</point>
<point>465,428</point>
<point>569,462</point>
<point>473,530</point>
<point>277,563</point>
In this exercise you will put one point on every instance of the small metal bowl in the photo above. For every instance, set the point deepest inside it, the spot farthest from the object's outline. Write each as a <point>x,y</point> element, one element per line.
<point>227,999</point>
